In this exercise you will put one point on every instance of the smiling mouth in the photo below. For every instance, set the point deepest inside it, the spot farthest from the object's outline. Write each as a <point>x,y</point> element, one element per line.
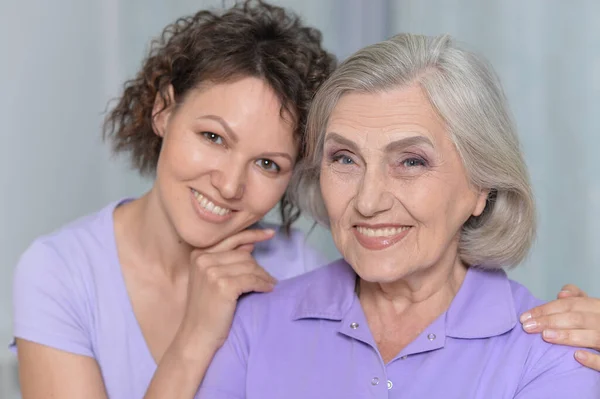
<point>379,237</point>
<point>210,206</point>
<point>381,232</point>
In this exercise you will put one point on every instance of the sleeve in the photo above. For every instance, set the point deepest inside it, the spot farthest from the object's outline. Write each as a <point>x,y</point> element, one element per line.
<point>556,374</point>
<point>226,375</point>
<point>48,307</point>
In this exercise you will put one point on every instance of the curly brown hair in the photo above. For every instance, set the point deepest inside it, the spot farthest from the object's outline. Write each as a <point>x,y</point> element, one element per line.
<point>250,39</point>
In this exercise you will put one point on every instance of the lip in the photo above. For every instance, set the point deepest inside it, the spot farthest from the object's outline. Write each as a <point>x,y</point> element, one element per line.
<point>379,243</point>
<point>206,215</point>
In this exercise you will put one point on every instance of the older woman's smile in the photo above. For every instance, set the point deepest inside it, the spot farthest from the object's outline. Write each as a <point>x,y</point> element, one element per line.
<point>379,236</point>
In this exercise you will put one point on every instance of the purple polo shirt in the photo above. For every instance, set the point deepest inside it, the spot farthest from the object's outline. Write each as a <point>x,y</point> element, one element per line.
<point>309,338</point>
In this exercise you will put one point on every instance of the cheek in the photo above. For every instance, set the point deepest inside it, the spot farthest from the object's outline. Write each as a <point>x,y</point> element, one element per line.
<point>337,192</point>
<point>263,192</point>
<point>185,157</point>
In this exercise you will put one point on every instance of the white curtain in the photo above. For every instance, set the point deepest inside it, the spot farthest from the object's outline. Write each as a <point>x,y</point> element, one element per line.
<point>63,60</point>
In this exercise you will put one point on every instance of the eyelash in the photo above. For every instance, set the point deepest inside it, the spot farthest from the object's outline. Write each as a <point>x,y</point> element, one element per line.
<point>421,163</point>
<point>261,164</point>
<point>213,137</point>
<point>336,158</point>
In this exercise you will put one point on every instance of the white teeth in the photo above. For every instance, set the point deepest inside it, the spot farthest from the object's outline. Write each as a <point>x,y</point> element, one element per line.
<point>387,232</point>
<point>209,205</point>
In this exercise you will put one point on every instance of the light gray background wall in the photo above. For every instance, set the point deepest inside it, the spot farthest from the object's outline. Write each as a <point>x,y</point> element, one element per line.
<point>62,60</point>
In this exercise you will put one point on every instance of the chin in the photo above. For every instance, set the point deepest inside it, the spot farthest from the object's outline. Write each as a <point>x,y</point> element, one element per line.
<point>379,271</point>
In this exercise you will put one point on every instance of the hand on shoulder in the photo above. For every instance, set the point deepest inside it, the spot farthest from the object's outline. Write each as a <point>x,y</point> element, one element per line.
<point>572,319</point>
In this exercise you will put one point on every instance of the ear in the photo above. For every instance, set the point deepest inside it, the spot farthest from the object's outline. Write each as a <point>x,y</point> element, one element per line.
<point>481,202</point>
<point>162,110</point>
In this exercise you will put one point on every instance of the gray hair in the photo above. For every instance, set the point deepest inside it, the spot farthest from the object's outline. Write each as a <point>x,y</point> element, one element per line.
<point>467,94</point>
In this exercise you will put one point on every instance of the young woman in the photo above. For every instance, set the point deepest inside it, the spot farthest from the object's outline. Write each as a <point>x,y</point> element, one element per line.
<point>134,300</point>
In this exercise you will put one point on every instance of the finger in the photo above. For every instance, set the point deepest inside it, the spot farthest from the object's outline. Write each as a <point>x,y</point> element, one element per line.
<point>580,338</point>
<point>216,272</point>
<point>563,305</point>
<point>564,321</point>
<point>209,259</point>
<point>246,247</point>
<point>250,236</point>
<point>569,291</point>
<point>238,269</point>
<point>588,359</point>
<point>250,283</point>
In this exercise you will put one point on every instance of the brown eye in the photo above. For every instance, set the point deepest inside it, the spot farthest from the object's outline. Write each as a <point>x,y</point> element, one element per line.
<point>215,138</point>
<point>268,165</point>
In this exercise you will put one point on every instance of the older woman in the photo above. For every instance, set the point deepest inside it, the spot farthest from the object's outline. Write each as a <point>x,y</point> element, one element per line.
<point>425,190</point>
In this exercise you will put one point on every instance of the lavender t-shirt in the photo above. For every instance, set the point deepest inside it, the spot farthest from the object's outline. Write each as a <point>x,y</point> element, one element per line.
<point>309,338</point>
<point>69,294</point>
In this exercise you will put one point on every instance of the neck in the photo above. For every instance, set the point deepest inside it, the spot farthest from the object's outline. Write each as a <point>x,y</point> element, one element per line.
<point>426,293</point>
<point>149,238</point>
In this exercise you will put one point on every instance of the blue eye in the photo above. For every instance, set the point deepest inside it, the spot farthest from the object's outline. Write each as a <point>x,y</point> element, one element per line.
<point>215,138</point>
<point>268,165</point>
<point>343,159</point>
<point>413,163</point>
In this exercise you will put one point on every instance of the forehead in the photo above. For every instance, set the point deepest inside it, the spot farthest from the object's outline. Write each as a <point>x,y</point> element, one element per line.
<point>249,107</point>
<point>243,95</point>
<point>400,111</point>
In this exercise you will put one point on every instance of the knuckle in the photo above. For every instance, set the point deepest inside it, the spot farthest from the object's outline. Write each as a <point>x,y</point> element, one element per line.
<point>223,285</point>
<point>213,274</point>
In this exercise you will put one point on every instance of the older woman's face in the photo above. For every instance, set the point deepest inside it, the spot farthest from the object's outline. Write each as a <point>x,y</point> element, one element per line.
<point>394,185</point>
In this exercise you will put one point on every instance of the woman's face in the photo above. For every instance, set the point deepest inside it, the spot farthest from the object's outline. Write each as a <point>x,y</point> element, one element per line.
<point>394,185</point>
<point>226,159</point>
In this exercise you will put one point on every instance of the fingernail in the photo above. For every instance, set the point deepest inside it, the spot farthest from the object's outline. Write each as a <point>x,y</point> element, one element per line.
<point>581,355</point>
<point>564,292</point>
<point>530,325</point>
<point>269,231</point>
<point>550,334</point>
<point>525,317</point>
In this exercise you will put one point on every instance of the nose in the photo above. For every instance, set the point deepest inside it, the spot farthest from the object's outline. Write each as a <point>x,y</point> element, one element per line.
<point>230,181</point>
<point>373,196</point>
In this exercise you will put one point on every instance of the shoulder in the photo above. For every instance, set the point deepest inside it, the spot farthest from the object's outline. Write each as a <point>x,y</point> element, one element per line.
<point>326,289</point>
<point>547,366</point>
<point>55,283</point>
<point>287,255</point>
<point>69,248</point>
<point>289,294</point>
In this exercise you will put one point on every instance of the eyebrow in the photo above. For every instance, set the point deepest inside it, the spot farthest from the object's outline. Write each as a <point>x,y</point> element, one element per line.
<point>235,138</point>
<point>224,124</point>
<point>278,154</point>
<point>391,147</point>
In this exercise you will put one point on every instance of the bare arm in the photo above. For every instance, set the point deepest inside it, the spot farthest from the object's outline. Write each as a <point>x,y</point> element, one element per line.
<point>49,373</point>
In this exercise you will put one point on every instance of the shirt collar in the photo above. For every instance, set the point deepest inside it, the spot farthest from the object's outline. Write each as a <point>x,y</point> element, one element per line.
<point>329,295</point>
<point>482,308</point>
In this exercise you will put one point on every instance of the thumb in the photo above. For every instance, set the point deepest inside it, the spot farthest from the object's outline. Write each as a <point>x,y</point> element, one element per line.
<point>243,239</point>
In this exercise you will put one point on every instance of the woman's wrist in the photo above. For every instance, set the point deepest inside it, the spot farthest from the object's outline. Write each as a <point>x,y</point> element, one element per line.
<point>192,348</point>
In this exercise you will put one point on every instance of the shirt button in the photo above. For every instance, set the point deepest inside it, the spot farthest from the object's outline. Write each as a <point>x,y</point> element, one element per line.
<point>354,326</point>
<point>375,381</point>
<point>390,384</point>
<point>431,337</point>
